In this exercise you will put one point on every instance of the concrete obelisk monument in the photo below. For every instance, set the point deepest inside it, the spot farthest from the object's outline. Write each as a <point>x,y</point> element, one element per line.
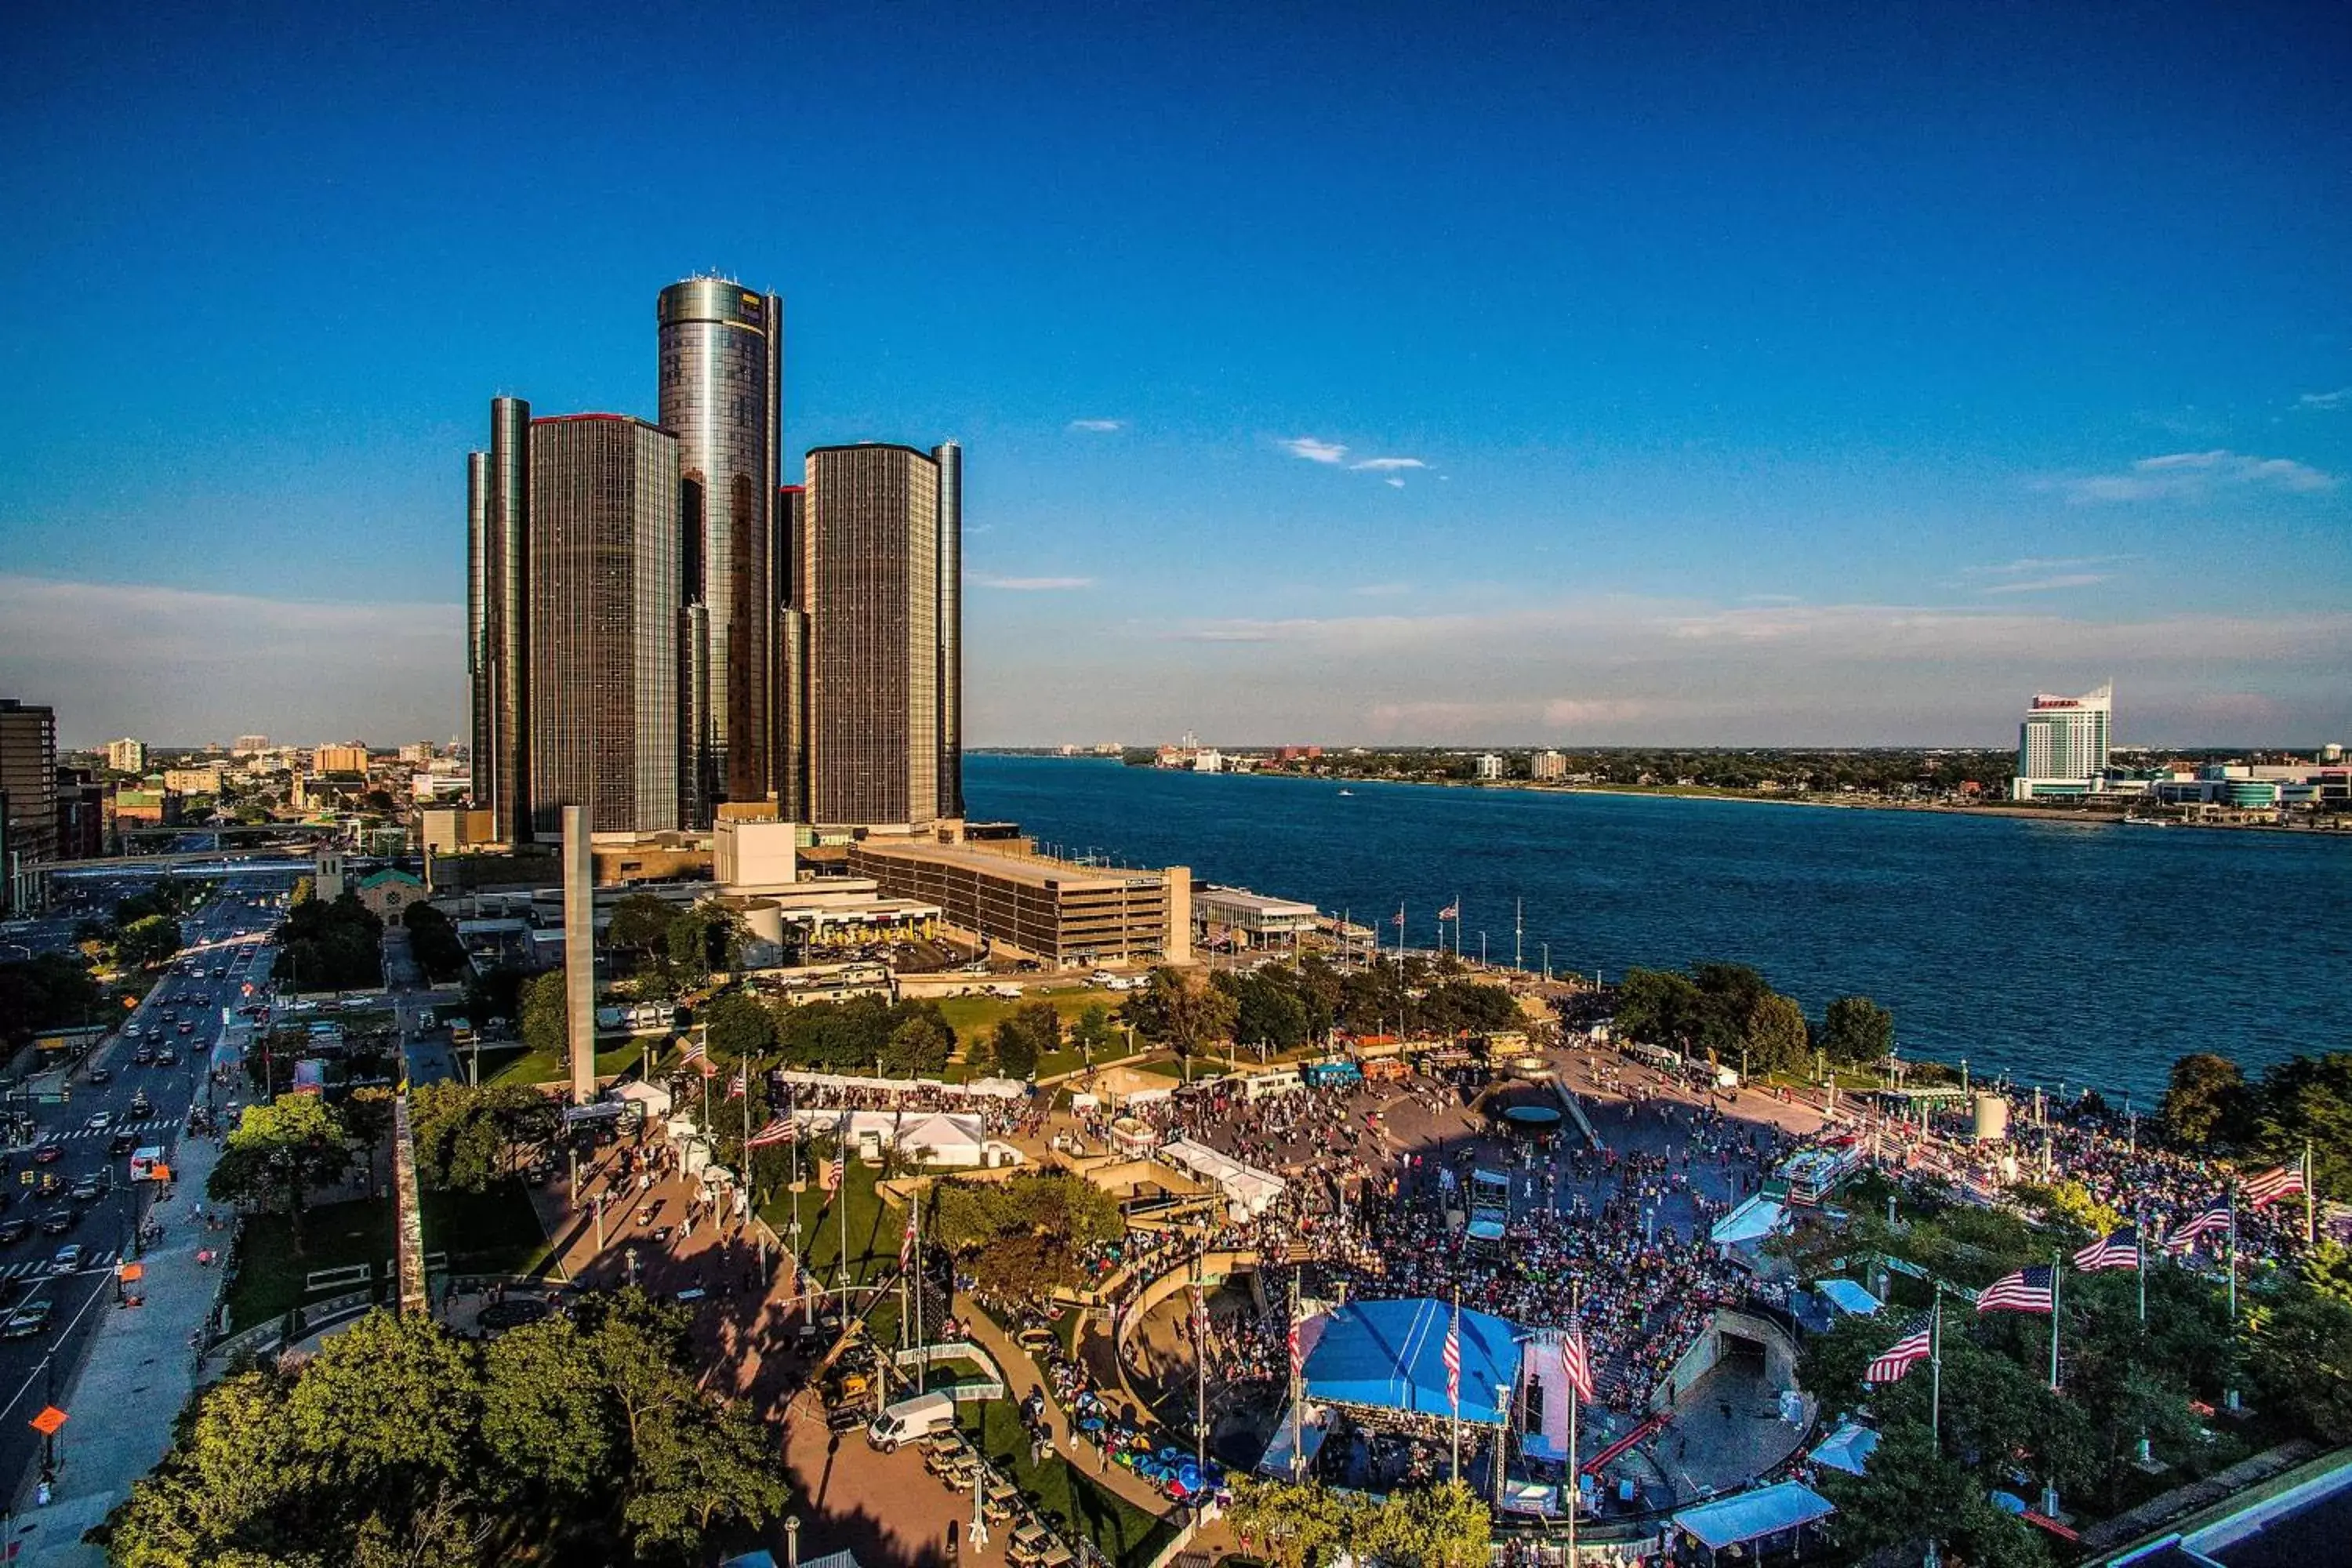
<point>579,956</point>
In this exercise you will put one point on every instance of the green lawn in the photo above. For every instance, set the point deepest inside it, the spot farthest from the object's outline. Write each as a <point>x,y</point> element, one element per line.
<point>971,1017</point>
<point>495,1232</point>
<point>1062,1492</point>
<point>269,1276</point>
<point>874,1226</point>
<point>513,1064</point>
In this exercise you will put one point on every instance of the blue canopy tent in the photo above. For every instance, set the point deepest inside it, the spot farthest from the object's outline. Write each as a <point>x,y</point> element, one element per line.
<point>1757,1515</point>
<point>1390,1355</point>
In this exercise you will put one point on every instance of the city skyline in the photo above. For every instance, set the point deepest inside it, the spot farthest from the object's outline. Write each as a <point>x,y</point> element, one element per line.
<point>1702,386</point>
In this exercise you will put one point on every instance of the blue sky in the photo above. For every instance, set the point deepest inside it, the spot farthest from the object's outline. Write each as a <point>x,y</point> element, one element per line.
<point>1579,375</point>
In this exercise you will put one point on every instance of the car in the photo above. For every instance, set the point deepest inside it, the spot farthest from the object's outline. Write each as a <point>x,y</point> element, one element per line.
<point>141,1105</point>
<point>143,1055</point>
<point>67,1259</point>
<point>100,1120</point>
<point>186,1028</point>
<point>50,1153</point>
<point>87,1189</point>
<point>32,1318</point>
<point>167,1056</point>
<point>121,1143</point>
<point>12,1231</point>
<point>99,1075</point>
<point>57,1222</point>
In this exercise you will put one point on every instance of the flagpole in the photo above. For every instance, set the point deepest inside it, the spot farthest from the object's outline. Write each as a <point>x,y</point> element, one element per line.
<point>1295,1390</point>
<point>1456,1390</point>
<point>2234,1252</point>
<point>1936,1373</point>
<point>2057,1270</point>
<point>1575,1478</point>
<point>924,1365</point>
<point>2139,1253</point>
<point>2310,1228</point>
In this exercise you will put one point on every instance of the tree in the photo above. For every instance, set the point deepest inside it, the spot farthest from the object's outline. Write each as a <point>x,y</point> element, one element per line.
<point>1426,1527</point>
<point>468,1138</point>
<point>703,1463</point>
<point>332,946</point>
<point>148,941</point>
<point>1291,1524</point>
<point>1021,1239</point>
<point>1857,1032</point>
<point>2308,1100</point>
<point>1267,1013</point>
<point>920,1047</point>
<point>433,942</point>
<point>1657,1007</point>
<point>45,991</point>
<point>282,1148</point>
<point>2207,1107</point>
<point>546,1021</point>
<point>2299,1349</point>
<point>496,993</point>
<point>704,940</point>
<point>367,1117</point>
<point>737,1029</point>
<point>1776,1034</point>
<point>640,924</point>
<point>1091,1033</point>
<point>1032,1032</point>
<point>1178,1013</point>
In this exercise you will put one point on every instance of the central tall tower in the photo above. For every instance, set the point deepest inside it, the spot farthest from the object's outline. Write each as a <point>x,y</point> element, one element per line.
<point>721,394</point>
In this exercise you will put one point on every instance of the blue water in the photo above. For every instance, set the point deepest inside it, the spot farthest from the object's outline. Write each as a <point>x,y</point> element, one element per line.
<point>2048,952</point>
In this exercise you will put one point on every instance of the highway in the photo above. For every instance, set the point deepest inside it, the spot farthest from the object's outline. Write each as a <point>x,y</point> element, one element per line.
<point>182,1015</point>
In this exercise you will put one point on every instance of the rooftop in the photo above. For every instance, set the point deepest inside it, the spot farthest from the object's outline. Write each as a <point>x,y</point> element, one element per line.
<point>1035,871</point>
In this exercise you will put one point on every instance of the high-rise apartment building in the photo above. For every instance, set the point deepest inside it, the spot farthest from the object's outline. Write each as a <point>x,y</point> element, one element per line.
<point>126,755</point>
<point>602,618</point>
<point>870,586</point>
<point>498,521</point>
<point>2063,744</point>
<point>28,797</point>
<point>347,757</point>
<point>949,456</point>
<point>1544,766</point>
<point>722,394</point>
<point>246,746</point>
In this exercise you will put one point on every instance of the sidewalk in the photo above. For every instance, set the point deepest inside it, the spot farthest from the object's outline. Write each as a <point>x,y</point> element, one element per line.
<point>1021,1375</point>
<point>138,1373</point>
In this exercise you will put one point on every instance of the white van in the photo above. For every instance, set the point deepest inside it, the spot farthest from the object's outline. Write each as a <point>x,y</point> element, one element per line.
<point>910,1419</point>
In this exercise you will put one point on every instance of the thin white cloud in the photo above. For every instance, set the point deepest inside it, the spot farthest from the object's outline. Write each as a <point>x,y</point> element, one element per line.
<point>1034,584</point>
<point>1383,590</point>
<point>2026,564</point>
<point>2174,475</point>
<point>1097,426</point>
<point>1315,451</point>
<point>2339,398</point>
<point>1394,484</point>
<point>2048,584</point>
<point>1382,465</point>
<point>183,666</point>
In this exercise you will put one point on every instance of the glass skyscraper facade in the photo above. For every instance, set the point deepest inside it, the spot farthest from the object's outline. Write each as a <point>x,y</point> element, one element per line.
<point>870,582</point>
<point>604,615</point>
<point>721,390</point>
<point>498,520</point>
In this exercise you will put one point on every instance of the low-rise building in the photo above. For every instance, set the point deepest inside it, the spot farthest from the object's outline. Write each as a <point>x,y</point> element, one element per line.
<point>1047,908</point>
<point>350,757</point>
<point>193,780</point>
<point>126,755</point>
<point>1236,917</point>
<point>388,893</point>
<point>146,809</point>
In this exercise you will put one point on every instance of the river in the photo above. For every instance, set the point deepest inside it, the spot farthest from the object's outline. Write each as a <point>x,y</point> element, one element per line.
<point>2052,952</point>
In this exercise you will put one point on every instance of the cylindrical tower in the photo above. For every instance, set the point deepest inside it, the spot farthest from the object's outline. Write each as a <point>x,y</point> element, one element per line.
<point>505,576</point>
<point>950,457</point>
<point>721,390</point>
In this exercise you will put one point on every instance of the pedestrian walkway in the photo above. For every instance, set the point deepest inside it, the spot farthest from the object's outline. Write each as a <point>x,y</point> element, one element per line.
<point>140,1373</point>
<point>1021,1375</point>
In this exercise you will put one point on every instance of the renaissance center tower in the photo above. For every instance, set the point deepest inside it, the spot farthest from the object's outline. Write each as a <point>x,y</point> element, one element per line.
<point>722,394</point>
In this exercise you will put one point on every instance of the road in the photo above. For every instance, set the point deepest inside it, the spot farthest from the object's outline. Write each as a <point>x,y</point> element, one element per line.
<point>36,1369</point>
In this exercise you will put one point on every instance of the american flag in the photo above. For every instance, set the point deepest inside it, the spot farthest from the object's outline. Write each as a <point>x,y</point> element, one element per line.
<point>907,1243</point>
<point>1200,1314</point>
<point>1453,1365</point>
<point>2033,1289</point>
<point>1577,1361</point>
<point>2286,1180</point>
<point>1398,919</point>
<point>1450,913</point>
<point>2215,1221</point>
<point>1899,1357</point>
<point>738,1084</point>
<point>2120,1250</point>
<point>1297,1361</point>
<point>832,1174</point>
<point>693,1052</point>
<point>782,1129</point>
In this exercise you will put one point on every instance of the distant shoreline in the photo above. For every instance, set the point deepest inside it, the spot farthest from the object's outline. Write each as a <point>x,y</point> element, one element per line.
<point>2103,818</point>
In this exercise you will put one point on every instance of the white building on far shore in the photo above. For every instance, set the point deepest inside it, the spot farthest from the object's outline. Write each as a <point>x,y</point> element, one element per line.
<point>2062,745</point>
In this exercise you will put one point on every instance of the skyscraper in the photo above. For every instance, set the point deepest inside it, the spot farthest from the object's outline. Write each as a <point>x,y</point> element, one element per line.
<point>604,564</point>
<point>2063,744</point>
<point>949,456</point>
<point>28,797</point>
<point>870,584</point>
<point>721,390</point>
<point>498,520</point>
<point>787,693</point>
